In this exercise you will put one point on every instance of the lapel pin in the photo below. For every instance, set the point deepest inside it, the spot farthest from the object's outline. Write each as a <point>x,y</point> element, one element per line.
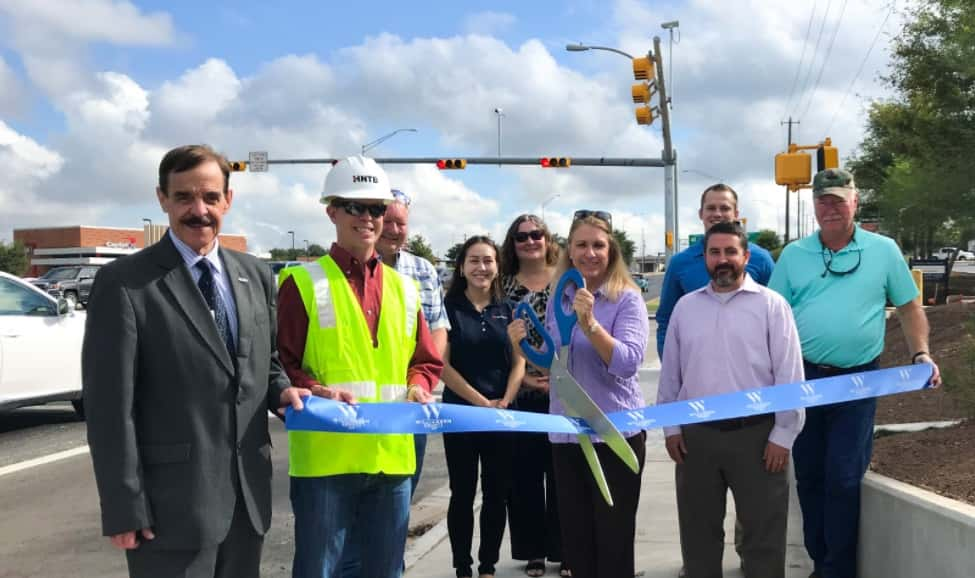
<point>243,279</point>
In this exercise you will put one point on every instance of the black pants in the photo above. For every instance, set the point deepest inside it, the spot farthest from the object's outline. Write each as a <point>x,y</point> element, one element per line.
<point>238,556</point>
<point>464,452</point>
<point>597,540</point>
<point>533,512</point>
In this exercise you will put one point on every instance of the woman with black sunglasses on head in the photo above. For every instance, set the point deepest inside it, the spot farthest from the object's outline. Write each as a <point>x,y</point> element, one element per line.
<point>528,259</point>
<point>480,370</point>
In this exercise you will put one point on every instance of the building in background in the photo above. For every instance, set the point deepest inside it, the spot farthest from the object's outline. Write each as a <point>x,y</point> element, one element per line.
<point>51,247</point>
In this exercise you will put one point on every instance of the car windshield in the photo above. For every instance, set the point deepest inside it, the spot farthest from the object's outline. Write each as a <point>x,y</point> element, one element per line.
<point>61,274</point>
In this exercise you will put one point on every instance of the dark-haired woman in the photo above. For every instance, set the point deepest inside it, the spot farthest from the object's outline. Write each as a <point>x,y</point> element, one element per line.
<point>528,259</point>
<point>480,370</point>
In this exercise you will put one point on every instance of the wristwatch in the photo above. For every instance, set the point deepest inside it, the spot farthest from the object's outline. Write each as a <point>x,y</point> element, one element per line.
<point>592,327</point>
<point>918,354</point>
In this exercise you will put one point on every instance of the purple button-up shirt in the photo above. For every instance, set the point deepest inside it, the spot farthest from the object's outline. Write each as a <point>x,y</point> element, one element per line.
<point>715,346</point>
<point>615,386</point>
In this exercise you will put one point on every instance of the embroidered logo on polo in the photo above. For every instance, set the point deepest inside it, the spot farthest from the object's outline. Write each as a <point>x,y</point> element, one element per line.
<point>757,403</point>
<point>431,417</point>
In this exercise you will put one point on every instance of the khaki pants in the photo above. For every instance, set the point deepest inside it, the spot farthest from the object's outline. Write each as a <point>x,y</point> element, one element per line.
<point>716,461</point>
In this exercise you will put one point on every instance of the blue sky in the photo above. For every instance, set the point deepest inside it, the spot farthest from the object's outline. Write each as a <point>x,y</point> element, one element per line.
<point>92,92</point>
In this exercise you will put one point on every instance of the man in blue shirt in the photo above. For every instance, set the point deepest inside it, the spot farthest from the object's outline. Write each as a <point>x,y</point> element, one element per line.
<point>687,272</point>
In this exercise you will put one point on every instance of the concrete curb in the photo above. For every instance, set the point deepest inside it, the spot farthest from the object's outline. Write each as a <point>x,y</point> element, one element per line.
<point>432,509</point>
<point>907,531</point>
<point>891,428</point>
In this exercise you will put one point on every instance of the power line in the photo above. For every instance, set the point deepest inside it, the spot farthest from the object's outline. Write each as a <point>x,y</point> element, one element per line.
<point>802,57</point>
<point>812,62</point>
<point>829,50</point>
<point>863,63</point>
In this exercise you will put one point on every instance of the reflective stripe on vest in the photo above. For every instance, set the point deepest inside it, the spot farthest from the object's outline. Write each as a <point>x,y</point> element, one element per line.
<point>339,353</point>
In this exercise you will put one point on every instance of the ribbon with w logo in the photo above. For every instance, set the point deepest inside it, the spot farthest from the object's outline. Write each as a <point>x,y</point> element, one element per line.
<point>327,415</point>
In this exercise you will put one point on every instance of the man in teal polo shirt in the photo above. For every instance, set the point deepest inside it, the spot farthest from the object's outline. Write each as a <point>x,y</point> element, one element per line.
<point>838,281</point>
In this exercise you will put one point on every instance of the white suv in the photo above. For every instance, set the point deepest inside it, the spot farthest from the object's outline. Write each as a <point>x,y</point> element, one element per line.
<point>945,253</point>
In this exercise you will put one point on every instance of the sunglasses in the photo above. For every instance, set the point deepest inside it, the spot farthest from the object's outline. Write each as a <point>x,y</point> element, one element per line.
<point>828,262</point>
<point>357,209</point>
<point>535,235</point>
<point>402,197</point>
<point>601,215</point>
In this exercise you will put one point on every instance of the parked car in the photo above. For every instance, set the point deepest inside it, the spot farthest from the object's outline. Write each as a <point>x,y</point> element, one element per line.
<point>73,283</point>
<point>40,347</point>
<point>276,266</point>
<point>945,253</point>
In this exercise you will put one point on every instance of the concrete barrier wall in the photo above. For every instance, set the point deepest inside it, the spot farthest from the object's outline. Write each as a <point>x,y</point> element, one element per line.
<point>907,532</point>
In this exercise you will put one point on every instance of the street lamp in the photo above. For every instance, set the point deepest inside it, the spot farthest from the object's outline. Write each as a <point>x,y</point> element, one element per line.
<point>546,202</point>
<point>384,138</point>
<point>306,247</point>
<point>580,47</point>
<point>292,233</point>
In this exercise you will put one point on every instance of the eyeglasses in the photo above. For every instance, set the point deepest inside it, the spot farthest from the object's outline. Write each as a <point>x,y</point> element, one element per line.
<point>357,209</point>
<point>602,215</point>
<point>402,197</point>
<point>534,235</point>
<point>828,256</point>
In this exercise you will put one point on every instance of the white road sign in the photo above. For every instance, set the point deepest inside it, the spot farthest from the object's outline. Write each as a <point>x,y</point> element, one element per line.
<point>257,161</point>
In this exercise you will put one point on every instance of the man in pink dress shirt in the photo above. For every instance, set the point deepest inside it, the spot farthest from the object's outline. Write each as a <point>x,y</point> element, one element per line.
<point>731,335</point>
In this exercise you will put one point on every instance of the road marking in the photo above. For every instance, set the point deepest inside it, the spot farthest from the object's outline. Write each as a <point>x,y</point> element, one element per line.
<point>27,464</point>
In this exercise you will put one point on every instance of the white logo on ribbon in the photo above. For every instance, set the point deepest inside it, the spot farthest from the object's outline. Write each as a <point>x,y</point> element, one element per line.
<point>638,420</point>
<point>433,421</point>
<point>508,419</point>
<point>350,419</point>
<point>859,385</point>
<point>699,410</point>
<point>757,404</point>
<point>810,396</point>
<point>905,374</point>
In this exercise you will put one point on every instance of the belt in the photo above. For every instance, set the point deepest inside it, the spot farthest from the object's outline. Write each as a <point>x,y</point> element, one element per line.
<point>738,423</point>
<point>831,370</point>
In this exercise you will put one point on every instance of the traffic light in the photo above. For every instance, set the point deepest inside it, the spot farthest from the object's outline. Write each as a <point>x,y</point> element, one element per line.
<point>642,92</point>
<point>556,162</point>
<point>451,164</point>
<point>827,156</point>
<point>238,166</point>
<point>644,115</point>
<point>643,68</point>
<point>793,169</point>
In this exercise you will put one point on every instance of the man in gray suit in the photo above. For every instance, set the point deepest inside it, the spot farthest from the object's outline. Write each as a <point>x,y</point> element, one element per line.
<point>180,368</point>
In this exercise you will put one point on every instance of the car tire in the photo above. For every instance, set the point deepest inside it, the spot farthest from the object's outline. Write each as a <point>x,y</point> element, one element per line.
<point>72,298</point>
<point>79,408</point>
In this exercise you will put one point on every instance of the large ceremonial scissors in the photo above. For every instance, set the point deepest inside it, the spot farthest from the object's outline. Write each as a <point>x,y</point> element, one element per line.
<point>576,401</point>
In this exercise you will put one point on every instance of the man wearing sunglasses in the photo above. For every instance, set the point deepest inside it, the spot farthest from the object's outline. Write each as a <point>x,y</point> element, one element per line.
<point>351,329</point>
<point>838,281</point>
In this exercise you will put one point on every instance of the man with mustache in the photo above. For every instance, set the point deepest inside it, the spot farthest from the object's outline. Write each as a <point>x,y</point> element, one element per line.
<point>731,335</point>
<point>838,281</point>
<point>180,369</point>
<point>352,328</point>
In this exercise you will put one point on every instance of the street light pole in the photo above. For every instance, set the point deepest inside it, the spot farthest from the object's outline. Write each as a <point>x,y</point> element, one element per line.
<point>384,138</point>
<point>500,113</point>
<point>147,236</point>
<point>547,201</point>
<point>292,233</point>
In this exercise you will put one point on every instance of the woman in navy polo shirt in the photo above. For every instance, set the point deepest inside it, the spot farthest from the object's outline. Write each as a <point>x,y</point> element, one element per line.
<point>479,369</point>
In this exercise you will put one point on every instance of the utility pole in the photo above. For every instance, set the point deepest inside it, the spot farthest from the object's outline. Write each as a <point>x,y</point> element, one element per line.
<point>500,113</point>
<point>670,217</point>
<point>787,203</point>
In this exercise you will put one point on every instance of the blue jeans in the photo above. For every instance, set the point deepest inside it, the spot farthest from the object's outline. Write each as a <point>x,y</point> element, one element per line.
<point>831,456</point>
<point>367,513</point>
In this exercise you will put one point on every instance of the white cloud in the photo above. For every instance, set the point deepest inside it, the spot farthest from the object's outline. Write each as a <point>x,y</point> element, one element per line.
<point>12,96</point>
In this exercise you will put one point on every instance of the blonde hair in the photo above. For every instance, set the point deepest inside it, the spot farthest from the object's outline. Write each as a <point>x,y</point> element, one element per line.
<point>617,276</point>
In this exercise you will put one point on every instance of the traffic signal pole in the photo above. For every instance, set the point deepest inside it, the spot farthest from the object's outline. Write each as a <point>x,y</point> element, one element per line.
<point>669,160</point>
<point>526,161</point>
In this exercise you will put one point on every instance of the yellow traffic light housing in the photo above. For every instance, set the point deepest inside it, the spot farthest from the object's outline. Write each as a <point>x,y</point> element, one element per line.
<point>238,166</point>
<point>642,92</point>
<point>555,162</point>
<point>827,156</point>
<point>643,68</point>
<point>793,169</point>
<point>644,115</point>
<point>452,164</point>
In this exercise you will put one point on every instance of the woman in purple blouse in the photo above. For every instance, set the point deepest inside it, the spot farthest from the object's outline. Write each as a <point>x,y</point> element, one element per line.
<point>604,356</point>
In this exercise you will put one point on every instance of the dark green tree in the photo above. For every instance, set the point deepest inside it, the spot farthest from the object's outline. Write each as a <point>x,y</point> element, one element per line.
<point>419,247</point>
<point>453,252</point>
<point>316,250</point>
<point>768,240</point>
<point>13,258</point>
<point>627,247</point>
<point>286,254</point>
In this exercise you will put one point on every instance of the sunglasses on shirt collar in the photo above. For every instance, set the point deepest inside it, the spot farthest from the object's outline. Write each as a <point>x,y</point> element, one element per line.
<point>357,209</point>
<point>601,215</point>
<point>534,235</point>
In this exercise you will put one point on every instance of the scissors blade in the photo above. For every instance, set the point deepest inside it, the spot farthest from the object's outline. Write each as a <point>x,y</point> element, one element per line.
<point>578,402</point>
<point>597,470</point>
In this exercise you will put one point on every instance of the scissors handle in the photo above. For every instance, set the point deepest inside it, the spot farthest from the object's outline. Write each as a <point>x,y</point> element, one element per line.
<point>539,358</point>
<point>564,320</point>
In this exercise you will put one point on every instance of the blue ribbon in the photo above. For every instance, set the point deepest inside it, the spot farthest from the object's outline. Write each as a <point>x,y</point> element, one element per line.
<point>330,416</point>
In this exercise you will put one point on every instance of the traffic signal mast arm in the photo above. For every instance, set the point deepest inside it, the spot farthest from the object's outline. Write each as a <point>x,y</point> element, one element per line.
<point>526,161</point>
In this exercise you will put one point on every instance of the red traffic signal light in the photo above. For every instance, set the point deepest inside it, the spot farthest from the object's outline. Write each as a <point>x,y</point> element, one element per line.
<point>451,164</point>
<point>555,162</point>
<point>238,166</point>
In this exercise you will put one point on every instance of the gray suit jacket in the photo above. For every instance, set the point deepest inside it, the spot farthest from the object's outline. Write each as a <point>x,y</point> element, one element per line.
<point>175,424</point>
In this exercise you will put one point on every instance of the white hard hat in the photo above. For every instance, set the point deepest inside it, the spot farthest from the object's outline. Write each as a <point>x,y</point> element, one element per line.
<point>356,177</point>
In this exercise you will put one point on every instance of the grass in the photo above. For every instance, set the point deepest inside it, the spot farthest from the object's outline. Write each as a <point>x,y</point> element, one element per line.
<point>653,304</point>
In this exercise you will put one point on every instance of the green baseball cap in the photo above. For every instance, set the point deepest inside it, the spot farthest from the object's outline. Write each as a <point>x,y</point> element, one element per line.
<point>834,182</point>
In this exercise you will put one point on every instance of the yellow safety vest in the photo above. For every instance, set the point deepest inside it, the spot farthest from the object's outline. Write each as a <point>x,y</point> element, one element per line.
<point>339,353</point>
